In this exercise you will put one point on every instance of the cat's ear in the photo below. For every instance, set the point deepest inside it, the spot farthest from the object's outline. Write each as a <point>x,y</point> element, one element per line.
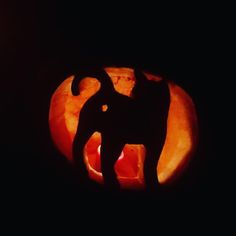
<point>139,76</point>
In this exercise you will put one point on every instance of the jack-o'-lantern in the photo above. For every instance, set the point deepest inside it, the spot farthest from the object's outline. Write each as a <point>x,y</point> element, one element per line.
<point>180,141</point>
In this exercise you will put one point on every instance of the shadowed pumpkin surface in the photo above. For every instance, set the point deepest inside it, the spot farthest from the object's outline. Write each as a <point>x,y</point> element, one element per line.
<point>181,137</point>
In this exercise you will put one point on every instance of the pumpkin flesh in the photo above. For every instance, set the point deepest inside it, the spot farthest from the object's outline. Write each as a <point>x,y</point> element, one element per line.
<point>180,140</point>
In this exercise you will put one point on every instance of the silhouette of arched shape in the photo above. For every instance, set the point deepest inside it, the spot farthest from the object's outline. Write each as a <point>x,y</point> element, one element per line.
<point>140,119</point>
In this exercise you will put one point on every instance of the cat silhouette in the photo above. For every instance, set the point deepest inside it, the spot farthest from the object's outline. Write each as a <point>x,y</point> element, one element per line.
<point>139,119</point>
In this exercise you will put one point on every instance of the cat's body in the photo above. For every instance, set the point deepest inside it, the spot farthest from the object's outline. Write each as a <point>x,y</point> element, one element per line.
<point>140,119</point>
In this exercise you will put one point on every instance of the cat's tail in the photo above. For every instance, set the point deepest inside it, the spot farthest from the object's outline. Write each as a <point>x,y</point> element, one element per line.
<point>101,75</point>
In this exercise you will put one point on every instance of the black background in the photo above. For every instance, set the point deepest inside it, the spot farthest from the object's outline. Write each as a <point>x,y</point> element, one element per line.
<point>44,42</point>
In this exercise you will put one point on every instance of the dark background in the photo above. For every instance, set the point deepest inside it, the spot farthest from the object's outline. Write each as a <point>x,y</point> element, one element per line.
<point>43,42</point>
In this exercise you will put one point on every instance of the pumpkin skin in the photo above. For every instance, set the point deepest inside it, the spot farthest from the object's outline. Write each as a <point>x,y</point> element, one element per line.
<point>180,142</point>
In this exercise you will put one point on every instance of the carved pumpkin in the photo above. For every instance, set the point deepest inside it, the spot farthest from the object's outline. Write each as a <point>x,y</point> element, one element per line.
<point>180,142</point>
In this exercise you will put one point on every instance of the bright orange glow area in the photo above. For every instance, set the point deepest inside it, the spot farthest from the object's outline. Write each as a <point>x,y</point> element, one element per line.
<point>104,108</point>
<point>128,168</point>
<point>179,145</point>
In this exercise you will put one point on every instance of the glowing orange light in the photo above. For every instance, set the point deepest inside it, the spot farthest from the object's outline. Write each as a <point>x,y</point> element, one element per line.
<point>104,108</point>
<point>180,143</point>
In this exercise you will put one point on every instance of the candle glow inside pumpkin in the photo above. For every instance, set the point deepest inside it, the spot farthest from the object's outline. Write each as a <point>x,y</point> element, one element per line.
<point>181,137</point>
